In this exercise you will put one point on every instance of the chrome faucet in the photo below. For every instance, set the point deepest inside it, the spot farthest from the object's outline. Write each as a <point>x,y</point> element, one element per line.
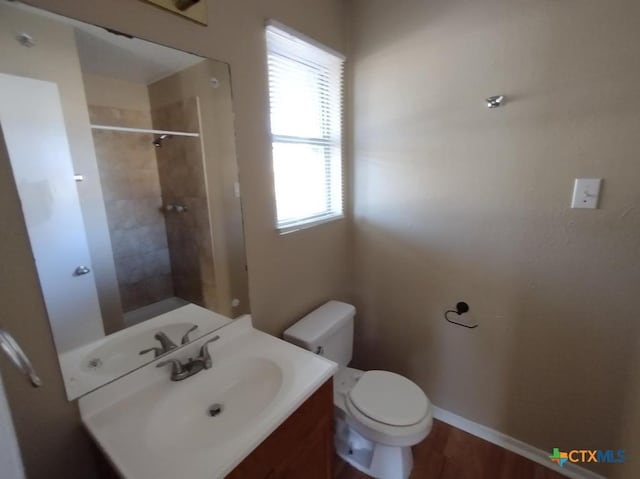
<point>180,371</point>
<point>156,352</point>
<point>204,352</point>
<point>185,338</point>
<point>165,343</point>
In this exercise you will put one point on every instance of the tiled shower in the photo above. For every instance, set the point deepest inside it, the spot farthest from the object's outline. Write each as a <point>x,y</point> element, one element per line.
<point>182,180</point>
<point>156,204</point>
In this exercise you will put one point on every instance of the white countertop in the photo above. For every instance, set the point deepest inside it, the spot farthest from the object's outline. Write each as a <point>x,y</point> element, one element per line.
<point>124,417</point>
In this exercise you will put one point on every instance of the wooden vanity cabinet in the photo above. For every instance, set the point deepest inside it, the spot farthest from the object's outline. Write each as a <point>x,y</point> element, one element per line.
<point>302,447</point>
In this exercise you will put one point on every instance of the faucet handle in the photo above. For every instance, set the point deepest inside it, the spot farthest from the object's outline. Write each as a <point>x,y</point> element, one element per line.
<point>205,357</point>
<point>156,352</point>
<point>185,338</point>
<point>176,366</point>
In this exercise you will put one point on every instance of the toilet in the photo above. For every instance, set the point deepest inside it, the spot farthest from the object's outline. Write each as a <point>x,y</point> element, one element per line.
<point>379,415</point>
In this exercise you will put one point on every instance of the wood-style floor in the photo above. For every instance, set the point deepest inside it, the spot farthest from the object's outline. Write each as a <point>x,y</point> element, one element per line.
<point>449,453</point>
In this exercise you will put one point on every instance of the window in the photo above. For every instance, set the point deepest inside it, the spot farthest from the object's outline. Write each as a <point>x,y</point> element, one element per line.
<point>305,91</point>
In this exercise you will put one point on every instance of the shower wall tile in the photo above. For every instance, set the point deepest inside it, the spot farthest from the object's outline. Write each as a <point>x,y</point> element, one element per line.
<point>130,269</point>
<point>147,211</point>
<point>158,287</point>
<point>119,214</point>
<point>114,185</point>
<point>131,186</point>
<point>104,115</point>
<point>182,181</point>
<point>123,243</point>
<point>157,263</point>
<point>143,183</point>
<point>133,296</point>
<point>152,237</point>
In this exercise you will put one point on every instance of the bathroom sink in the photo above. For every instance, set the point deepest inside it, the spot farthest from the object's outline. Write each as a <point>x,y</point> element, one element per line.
<point>212,407</point>
<point>203,426</point>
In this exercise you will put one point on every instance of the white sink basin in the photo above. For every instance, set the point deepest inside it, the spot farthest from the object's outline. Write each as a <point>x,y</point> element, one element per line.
<point>202,427</point>
<point>212,407</point>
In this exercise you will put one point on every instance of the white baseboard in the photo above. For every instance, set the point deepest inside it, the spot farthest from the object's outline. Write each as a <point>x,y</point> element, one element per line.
<point>514,445</point>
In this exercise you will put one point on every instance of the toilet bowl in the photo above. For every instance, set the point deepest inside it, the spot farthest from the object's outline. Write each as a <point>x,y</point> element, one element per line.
<point>377,424</point>
<point>379,415</point>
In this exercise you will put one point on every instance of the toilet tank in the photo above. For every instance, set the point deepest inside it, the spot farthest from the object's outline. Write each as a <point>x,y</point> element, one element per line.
<point>327,331</point>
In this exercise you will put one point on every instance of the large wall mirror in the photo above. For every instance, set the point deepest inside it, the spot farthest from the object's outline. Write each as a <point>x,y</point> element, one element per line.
<point>123,156</point>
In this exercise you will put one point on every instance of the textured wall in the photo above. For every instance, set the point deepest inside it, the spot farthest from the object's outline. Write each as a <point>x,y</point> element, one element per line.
<point>630,422</point>
<point>457,202</point>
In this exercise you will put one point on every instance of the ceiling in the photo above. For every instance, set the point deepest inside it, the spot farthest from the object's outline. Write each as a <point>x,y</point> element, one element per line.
<point>120,56</point>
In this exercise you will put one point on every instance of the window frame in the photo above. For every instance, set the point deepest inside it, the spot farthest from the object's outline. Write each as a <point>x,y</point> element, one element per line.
<point>332,139</point>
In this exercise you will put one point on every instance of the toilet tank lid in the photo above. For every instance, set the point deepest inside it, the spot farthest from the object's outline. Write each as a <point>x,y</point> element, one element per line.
<point>320,322</point>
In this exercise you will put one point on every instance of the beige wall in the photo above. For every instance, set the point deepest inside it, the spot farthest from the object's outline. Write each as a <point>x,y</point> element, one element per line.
<point>115,93</point>
<point>457,202</point>
<point>288,275</point>
<point>631,423</point>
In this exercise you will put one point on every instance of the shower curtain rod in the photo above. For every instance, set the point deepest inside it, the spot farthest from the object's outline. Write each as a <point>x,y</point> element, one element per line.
<point>143,130</point>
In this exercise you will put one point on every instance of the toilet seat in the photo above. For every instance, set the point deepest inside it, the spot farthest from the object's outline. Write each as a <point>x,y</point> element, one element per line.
<point>389,398</point>
<point>397,436</point>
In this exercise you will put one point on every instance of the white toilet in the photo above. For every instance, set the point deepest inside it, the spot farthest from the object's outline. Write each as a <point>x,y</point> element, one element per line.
<point>379,414</point>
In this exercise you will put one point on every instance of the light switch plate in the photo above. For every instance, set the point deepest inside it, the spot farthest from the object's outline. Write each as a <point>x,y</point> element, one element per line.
<point>586,193</point>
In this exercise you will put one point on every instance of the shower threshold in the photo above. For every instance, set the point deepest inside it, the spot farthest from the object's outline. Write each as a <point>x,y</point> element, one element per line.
<point>152,310</point>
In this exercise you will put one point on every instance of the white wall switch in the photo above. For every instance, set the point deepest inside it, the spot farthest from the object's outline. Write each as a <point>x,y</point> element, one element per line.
<point>586,192</point>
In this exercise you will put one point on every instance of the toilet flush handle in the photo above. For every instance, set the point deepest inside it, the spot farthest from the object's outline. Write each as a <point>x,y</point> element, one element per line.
<point>320,351</point>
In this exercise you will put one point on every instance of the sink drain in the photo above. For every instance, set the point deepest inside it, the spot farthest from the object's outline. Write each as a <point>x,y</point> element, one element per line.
<point>214,410</point>
<point>94,363</point>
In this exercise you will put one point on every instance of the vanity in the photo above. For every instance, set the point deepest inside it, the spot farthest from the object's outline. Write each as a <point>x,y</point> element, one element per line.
<point>301,447</point>
<point>264,409</point>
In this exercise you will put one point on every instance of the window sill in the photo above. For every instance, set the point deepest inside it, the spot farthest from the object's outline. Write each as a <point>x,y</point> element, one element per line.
<point>309,224</point>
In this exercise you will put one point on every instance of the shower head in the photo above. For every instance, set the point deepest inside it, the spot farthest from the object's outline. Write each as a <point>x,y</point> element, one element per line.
<point>157,142</point>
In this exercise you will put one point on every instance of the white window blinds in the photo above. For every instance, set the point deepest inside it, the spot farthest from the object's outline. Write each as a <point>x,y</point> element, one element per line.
<point>305,91</point>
